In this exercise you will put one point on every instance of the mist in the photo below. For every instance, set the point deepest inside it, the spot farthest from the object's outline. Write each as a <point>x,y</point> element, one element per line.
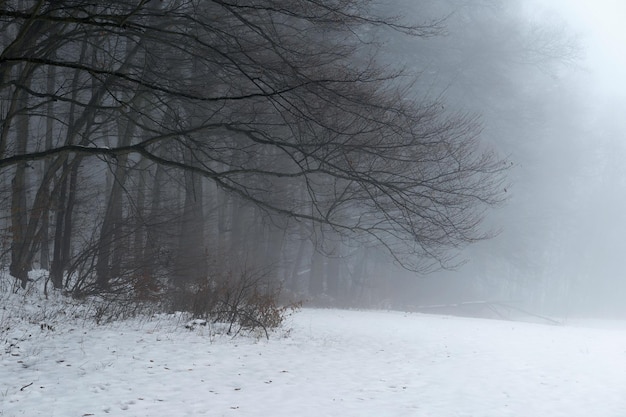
<point>401,155</point>
<point>547,81</point>
<point>312,207</point>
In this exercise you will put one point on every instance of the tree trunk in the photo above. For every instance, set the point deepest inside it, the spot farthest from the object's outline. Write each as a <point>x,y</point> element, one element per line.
<point>58,261</point>
<point>316,275</point>
<point>152,244</point>
<point>333,280</point>
<point>20,264</point>
<point>191,260</point>
<point>111,230</point>
<point>45,223</point>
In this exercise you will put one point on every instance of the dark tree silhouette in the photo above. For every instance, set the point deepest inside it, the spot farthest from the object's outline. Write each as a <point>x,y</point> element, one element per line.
<point>264,98</point>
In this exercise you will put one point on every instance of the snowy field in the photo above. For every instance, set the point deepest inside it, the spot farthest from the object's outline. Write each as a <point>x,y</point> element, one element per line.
<point>330,363</point>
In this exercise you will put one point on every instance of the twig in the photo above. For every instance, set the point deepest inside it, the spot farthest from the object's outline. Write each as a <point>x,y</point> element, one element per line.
<point>26,386</point>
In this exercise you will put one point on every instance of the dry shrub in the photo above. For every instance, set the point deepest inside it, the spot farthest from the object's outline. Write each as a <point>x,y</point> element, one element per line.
<point>244,301</point>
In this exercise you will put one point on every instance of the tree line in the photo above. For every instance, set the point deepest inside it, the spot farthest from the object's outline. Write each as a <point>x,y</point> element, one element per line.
<point>170,141</point>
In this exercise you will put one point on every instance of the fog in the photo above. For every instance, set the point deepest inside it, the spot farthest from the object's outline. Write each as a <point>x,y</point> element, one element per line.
<point>441,152</point>
<point>602,36</point>
<point>557,116</point>
<point>180,178</point>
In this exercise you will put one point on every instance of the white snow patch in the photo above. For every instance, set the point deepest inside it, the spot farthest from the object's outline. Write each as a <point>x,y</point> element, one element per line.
<point>332,363</point>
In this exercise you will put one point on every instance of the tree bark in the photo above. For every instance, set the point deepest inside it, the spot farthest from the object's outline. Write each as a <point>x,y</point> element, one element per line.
<point>20,264</point>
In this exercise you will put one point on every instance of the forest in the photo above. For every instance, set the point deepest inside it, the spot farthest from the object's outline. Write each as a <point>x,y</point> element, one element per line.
<point>345,153</point>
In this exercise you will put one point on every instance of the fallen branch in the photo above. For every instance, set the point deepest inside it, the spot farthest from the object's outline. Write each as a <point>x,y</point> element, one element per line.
<point>494,307</point>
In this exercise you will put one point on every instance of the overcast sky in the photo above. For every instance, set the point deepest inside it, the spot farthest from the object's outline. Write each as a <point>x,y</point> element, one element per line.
<point>601,25</point>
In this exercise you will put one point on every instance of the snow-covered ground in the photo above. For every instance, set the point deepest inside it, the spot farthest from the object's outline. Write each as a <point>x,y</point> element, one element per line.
<point>331,363</point>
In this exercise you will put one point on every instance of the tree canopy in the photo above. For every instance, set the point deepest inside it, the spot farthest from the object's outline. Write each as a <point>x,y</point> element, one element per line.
<point>281,104</point>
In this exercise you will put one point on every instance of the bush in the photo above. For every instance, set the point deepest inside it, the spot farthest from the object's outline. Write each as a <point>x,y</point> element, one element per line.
<point>243,301</point>
<point>237,301</point>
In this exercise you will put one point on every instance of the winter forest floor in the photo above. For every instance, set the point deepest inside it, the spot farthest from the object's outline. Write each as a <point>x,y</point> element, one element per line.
<point>322,363</point>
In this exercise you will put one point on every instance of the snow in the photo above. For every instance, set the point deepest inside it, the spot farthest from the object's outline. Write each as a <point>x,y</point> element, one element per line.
<point>322,363</point>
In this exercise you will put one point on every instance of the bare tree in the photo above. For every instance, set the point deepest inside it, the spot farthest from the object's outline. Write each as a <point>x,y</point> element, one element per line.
<point>279,103</point>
